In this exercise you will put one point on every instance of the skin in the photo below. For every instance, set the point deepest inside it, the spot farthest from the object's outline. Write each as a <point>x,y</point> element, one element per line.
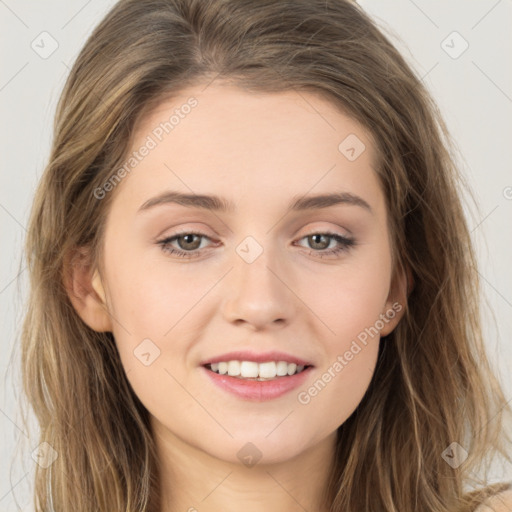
<point>258,151</point>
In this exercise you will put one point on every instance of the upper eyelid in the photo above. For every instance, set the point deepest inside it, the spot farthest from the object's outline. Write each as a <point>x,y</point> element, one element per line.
<point>347,233</point>
<point>309,233</point>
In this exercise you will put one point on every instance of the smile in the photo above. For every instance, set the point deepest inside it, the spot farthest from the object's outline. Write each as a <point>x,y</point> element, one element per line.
<point>256,371</point>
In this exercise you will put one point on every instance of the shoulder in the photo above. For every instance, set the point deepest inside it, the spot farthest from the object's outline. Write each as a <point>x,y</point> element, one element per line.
<point>501,502</point>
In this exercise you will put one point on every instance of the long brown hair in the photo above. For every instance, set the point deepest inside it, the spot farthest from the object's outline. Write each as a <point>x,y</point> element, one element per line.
<point>433,384</point>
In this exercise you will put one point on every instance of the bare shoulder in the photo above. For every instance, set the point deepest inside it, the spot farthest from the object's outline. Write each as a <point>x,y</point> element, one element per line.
<point>501,502</point>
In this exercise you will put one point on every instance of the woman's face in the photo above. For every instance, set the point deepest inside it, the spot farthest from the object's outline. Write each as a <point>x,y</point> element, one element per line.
<point>258,274</point>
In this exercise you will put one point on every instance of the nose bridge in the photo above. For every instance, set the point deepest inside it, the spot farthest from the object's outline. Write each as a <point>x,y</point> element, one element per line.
<point>257,293</point>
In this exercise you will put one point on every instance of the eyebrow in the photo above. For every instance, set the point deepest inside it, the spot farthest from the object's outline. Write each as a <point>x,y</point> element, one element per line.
<point>220,204</point>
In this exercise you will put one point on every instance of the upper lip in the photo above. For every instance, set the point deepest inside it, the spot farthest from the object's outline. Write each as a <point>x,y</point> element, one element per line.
<point>261,357</point>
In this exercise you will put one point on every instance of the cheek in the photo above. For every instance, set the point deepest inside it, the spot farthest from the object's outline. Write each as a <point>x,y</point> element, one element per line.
<point>158,316</point>
<point>350,313</point>
<point>350,299</point>
<point>151,298</point>
<point>349,302</point>
<point>340,385</point>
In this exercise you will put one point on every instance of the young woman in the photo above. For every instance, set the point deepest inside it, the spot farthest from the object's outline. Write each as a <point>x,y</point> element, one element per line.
<point>252,282</point>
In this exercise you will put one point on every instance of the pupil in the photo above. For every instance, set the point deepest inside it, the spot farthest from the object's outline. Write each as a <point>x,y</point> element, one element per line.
<point>315,241</point>
<point>189,240</point>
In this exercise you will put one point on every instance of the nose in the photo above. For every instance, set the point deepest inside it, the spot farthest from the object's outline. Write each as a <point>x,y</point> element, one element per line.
<point>258,294</point>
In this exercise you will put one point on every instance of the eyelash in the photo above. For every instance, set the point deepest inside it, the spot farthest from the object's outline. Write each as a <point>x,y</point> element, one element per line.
<point>345,244</point>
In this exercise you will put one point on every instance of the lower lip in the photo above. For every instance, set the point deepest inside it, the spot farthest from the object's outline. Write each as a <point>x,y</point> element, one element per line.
<point>258,390</point>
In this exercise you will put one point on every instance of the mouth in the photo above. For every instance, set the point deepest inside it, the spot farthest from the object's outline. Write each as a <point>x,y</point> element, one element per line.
<point>257,371</point>
<point>257,376</point>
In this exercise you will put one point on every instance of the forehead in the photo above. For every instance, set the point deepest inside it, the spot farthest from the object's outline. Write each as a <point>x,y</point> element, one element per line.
<point>247,143</point>
<point>249,117</point>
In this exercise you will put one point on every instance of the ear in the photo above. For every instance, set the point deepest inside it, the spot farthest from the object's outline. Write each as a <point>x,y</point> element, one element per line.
<point>85,290</point>
<point>396,303</point>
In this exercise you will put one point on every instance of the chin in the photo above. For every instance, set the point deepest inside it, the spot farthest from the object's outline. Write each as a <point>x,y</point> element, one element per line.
<point>260,448</point>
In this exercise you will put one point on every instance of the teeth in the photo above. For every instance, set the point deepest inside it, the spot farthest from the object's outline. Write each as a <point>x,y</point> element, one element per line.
<point>282,368</point>
<point>252,370</point>
<point>234,368</point>
<point>249,369</point>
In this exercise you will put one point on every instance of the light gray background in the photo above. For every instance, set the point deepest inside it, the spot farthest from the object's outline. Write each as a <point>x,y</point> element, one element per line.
<point>474,92</point>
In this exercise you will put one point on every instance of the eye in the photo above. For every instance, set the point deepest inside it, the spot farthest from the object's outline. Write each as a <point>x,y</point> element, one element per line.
<point>320,242</point>
<point>190,242</point>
